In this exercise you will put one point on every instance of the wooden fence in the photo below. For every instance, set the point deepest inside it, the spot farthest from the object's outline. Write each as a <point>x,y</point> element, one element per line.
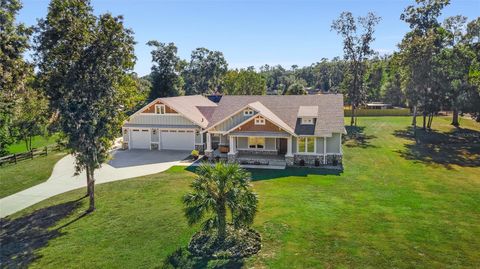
<point>378,112</point>
<point>17,157</point>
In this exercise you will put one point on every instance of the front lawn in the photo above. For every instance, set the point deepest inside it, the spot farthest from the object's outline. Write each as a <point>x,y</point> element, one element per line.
<point>27,173</point>
<point>394,206</point>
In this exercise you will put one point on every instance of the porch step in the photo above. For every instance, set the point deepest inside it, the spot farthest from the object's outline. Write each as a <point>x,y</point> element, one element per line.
<point>262,163</point>
<point>263,166</point>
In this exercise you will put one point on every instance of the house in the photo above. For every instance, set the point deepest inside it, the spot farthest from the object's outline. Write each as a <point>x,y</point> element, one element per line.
<point>293,129</point>
<point>378,105</point>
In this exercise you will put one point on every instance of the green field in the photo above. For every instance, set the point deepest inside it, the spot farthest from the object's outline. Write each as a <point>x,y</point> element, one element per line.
<point>396,205</point>
<point>28,173</point>
<point>37,142</point>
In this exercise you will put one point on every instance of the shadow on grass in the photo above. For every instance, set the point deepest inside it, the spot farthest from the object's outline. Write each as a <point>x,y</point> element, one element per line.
<point>459,147</point>
<point>266,174</point>
<point>356,137</point>
<point>21,237</point>
<point>182,258</point>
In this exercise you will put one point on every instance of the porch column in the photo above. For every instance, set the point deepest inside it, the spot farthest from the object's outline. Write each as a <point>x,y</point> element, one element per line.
<point>289,147</point>
<point>209,142</point>
<point>232,145</point>
<point>324,150</point>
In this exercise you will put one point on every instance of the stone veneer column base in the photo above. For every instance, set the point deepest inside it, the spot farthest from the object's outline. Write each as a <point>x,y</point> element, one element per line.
<point>209,154</point>
<point>289,160</point>
<point>231,158</point>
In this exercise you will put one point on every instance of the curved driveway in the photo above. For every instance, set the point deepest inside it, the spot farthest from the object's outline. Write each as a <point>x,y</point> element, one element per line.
<point>124,164</point>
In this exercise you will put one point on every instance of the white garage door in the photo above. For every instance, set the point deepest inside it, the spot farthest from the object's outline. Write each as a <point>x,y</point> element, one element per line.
<point>140,139</point>
<point>178,140</point>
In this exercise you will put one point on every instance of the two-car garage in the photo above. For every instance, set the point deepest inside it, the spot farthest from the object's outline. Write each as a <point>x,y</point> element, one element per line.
<point>173,139</point>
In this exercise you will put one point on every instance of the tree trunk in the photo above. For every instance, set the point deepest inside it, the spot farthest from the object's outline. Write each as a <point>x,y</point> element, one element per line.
<point>91,189</point>
<point>414,123</point>
<point>424,115</point>
<point>222,223</point>
<point>414,118</point>
<point>430,120</point>
<point>352,118</point>
<point>455,118</point>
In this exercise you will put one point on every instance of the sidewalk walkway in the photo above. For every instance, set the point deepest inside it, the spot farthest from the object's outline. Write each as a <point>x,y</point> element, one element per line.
<point>125,164</point>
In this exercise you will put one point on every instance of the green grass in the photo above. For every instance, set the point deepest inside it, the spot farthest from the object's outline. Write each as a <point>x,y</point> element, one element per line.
<point>392,207</point>
<point>37,142</point>
<point>27,173</point>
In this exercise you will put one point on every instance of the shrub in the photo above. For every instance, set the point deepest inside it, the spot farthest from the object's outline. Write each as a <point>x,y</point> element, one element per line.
<point>302,162</point>
<point>195,154</point>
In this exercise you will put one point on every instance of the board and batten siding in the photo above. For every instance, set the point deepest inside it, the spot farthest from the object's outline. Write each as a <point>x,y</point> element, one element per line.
<point>233,121</point>
<point>319,145</point>
<point>198,138</point>
<point>333,143</point>
<point>161,119</point>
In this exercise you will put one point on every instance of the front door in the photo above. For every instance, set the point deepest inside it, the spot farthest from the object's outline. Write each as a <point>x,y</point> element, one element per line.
<point>282,147</point>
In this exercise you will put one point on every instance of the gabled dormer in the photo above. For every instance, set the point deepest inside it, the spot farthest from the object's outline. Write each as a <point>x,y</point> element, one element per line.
<point>306,120</point>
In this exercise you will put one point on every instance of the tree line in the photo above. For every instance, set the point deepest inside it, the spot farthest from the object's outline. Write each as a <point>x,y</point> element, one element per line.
<point>81,81</point>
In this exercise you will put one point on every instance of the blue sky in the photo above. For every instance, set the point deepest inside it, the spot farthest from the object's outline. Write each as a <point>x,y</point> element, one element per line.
<point>252,33</point>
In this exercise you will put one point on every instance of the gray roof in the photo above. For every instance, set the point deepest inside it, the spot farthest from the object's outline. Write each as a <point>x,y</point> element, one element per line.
<point>286,107</point>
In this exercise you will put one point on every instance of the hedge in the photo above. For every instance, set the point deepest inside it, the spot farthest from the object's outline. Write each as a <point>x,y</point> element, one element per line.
<point>378,112</point>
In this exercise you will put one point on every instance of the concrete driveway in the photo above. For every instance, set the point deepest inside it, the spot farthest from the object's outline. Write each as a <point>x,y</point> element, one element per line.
<point>124,164</point>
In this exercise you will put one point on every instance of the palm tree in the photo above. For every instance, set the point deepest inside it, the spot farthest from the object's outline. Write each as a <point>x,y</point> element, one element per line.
<point>216,189</point>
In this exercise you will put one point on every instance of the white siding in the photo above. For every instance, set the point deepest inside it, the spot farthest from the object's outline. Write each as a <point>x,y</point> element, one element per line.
<point>333,143</point>
<point>161,119</point>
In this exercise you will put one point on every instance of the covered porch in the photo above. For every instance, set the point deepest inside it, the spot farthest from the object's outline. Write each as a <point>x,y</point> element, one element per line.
<point>252,148</point>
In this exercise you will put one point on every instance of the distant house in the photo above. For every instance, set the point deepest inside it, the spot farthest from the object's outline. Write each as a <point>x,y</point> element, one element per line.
<point>378,105</point>
<point>292,130</point>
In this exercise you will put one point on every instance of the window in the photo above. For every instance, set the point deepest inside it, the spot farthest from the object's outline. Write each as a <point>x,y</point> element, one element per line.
<point>306,144</point>
<point>247,112</point>
<point>259,121</point>
<point>307,120</point>
<point>256,142</point>
<point>160,109</point>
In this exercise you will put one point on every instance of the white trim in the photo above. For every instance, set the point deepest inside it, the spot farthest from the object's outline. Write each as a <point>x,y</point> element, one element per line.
<point>324,150</point>
<point>304,121</point>
<point>256,137</point>
<point>160,107</point>
<point>259,121</point>
<point>248,112</point>
<point>314,146</point>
